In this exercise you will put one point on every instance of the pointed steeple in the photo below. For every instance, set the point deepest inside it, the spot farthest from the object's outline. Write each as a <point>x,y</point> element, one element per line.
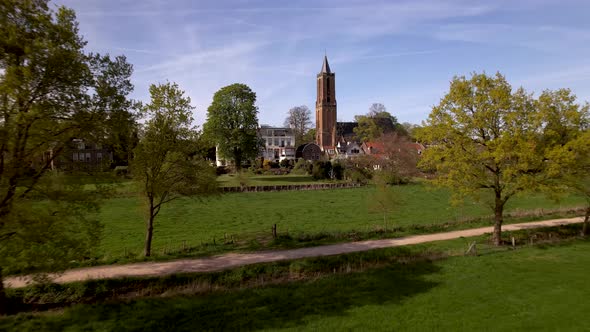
<point>325,66</point>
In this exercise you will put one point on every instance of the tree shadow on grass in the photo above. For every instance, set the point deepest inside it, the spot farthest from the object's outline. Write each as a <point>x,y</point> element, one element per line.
<point>276,306</point>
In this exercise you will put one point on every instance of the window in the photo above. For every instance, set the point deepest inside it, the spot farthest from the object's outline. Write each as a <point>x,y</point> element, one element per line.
<point>269,141</point>
<point>276,142</point>
<point>99,156</point>
<point>282,143</point>
<point>88,156</point>
<point>75,156</point>
<point>288,142</point>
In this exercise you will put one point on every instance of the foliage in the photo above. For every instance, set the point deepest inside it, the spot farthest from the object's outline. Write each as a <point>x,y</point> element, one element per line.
<point>410,129</point>
<point>570,162</point>
<point>490,143</point>
<point>299,119</point>
<point>359,169</point>
<point>400,159</point>
<point>55,225</point>
<point>302,166</point>
<point>164,165</point>
<point>375,123</point>
<point>308,137</point>
<point>321,170</point>
<point>112,85</point>
<point>232,123</point>
<point>268,164</point>
<point>338,171</point>
<point>51,92</point>
<point>384,199</point>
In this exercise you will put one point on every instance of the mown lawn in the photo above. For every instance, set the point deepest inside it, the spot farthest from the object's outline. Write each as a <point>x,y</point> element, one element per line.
<point>542,288</point>
<point>191,222</point>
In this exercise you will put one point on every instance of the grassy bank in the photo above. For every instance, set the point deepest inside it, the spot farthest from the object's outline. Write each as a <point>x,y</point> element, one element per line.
<point>542,287</point>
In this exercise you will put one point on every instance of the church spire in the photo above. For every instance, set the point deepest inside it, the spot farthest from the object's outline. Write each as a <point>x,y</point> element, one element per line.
<point>325,66</point>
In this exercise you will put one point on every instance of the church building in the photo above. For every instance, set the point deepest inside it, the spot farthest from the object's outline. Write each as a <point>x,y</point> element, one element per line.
<point>335,139</point>
<point>325,109</point>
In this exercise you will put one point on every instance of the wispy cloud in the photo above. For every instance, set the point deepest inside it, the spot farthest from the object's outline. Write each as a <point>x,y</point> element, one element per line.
<point>223,56</point>
<point>542,38</point>
<point>277,47</point>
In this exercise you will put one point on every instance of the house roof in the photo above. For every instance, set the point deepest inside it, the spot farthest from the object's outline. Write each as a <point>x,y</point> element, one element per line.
<point>374,148</point>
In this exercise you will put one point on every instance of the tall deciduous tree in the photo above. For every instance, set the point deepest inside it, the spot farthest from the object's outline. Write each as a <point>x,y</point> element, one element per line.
<point>232,122</point>
<point>569,161</point>
<point>401,158</point>
<point>299,119</point>
<point>47,98</point>
<point>376,123</point>
<point>164,164</point>
<point>490,143</point>
<point>112,84</point>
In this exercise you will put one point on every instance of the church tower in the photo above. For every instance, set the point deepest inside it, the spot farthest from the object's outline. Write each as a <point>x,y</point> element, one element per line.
<point>325,107</point>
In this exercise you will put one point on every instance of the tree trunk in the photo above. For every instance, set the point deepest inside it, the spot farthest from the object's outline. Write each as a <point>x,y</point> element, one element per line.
<point>2,295</point>
<point>498,219</point>
<point>237,159</point>
<point>148,236</point>
<point>585,228</point>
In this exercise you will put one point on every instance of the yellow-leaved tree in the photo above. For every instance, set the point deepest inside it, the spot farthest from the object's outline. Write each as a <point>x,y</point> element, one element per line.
<point>489,142</point>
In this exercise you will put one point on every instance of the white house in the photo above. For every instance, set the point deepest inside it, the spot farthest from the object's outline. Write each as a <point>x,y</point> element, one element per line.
<point>279,143</point>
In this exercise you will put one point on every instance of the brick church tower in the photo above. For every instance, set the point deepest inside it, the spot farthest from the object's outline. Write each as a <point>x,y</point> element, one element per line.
<point>325,108</point>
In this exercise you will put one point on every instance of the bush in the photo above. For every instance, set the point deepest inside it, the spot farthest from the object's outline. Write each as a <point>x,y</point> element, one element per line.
<point>220,170</point>
<point>268,164</point>
<point>302,167</point>
<point>321,170</point>
<point>286,163</point>
<point>121,171</point>
<point>358,175</point>
<point>338,171</point>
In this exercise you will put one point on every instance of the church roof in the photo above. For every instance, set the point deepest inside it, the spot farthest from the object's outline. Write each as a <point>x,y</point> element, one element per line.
<point>325,66</point>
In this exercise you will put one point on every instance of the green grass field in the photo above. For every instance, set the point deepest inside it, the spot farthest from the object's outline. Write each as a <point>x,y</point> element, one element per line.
<point>540,288</point>
<point>231,180</point>
<point>191,222</point>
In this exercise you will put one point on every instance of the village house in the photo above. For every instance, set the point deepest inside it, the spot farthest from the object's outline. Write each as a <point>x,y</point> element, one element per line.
<point>279,143</point>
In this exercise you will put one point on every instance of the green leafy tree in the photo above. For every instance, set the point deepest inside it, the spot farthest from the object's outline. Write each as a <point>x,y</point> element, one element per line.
<point>232,122</point>
<point>384,199</point>
<point>308,137</point>
<point>376,123</point>
<point>112,84</point>
<point>48,94</point>
<point>165,165</point>
<point>490,143</point>
<point>299,119</point>
<point>569,160</point>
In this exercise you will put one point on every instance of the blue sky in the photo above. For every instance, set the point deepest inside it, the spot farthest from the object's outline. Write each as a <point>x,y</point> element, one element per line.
<point>399,53</point>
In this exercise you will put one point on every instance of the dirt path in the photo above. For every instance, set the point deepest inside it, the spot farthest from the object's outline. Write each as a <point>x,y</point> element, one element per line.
<point>222,262</point>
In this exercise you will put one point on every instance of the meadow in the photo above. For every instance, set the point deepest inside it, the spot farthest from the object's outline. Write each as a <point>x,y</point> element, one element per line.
<point>231,180</point>
<point>244,220</point>
<point>541,287</point>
